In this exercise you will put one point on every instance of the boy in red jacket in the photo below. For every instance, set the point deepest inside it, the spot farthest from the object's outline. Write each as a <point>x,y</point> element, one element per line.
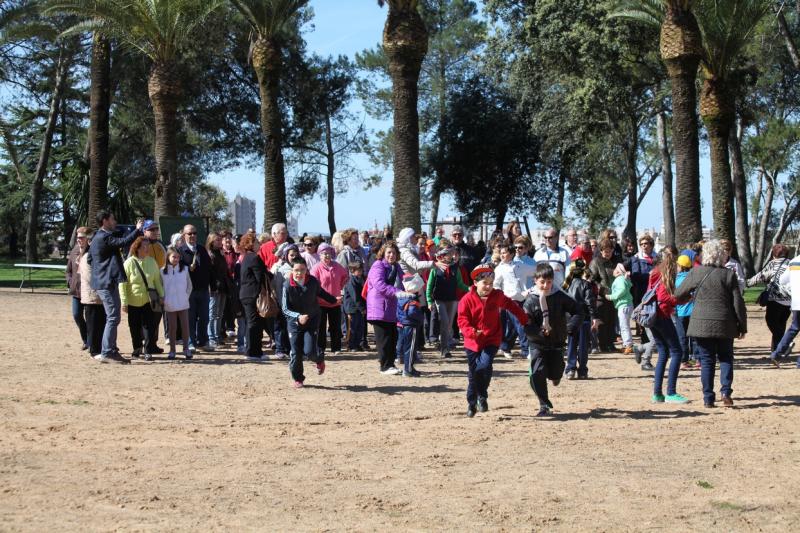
<point>479,321</point>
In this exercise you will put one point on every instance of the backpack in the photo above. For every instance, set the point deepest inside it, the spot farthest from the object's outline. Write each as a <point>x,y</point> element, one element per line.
<point>644,314</point>
<point>266,303</point>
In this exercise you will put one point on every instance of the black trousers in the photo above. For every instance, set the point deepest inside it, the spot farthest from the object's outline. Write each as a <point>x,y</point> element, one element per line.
<point>776,318</point>
<point>141,325</point>
<point>606,334</point>
<point>95,324</point>
<point>255,328</point>
<point>545,364</point>
<point>385,342</point>
<point>332,318</point>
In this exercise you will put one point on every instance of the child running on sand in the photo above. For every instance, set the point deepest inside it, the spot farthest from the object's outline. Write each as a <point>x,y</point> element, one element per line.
<point>547,308</point>
<point>479,321</point>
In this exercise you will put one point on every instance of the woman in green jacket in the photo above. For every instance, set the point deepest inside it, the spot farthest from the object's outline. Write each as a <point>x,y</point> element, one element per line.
<point>142,273</point>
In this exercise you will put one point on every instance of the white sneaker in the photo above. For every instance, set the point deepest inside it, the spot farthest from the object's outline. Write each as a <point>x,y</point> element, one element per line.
<point>102,358</point>
<point>279,356</point>
<point>392,371</point>
<point>334,354</point>
<point>230,333</point>
<point>506,354</point>
<point>398,361</point>
<point>529,357</point>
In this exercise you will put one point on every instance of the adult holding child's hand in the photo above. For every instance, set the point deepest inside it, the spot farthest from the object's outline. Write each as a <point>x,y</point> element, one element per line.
<point>382,305</point>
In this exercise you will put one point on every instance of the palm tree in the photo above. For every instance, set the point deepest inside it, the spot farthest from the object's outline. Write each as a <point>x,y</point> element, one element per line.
<point>681,50</point>
<point>405,42</point>
<point>159,29</point>
<point>99,104</point>
<point>727,26</point>
<point>272,21</point>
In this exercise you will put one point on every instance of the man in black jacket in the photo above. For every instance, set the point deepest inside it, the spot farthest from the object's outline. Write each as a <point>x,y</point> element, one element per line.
<point>547,308</point>
<point>105,256</point>
<point>195,256</point>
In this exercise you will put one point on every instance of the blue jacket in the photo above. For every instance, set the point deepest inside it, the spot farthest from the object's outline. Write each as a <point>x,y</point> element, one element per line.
<point>105,256</point>
<point>683,310</point>
<point>409,311</point>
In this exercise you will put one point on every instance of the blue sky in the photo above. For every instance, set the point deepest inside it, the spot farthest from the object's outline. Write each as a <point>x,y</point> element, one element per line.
<point>346,27</point>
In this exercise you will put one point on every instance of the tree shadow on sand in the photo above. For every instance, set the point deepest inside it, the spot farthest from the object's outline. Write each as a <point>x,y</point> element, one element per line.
<point>389,390</point>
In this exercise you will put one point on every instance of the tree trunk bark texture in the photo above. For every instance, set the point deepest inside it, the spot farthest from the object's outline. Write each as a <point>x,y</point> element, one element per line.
<point>267,63</point>
<point>666,179</point>
<point>681,50</point>
<point>164,89</point>
<point>330,175</point>
<point>31,236</point>
<point>764,224</point>
<point>405,41</point>
<point>99,103</point>
<point>740,195</point>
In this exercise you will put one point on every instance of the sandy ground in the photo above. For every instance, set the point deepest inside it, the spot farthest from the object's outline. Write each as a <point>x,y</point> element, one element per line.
<point>218,443</point>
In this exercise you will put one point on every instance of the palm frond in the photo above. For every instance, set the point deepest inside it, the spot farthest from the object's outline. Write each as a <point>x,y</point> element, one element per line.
<point>270,18</point>
<point>727,26</point>
<point>648,12</point>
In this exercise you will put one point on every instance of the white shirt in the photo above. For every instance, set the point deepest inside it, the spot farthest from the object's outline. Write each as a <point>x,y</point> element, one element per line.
<point>508,277</point>
<point>558,259</point>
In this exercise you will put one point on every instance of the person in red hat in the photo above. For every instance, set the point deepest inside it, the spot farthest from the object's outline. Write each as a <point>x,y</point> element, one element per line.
<point>479,321</point>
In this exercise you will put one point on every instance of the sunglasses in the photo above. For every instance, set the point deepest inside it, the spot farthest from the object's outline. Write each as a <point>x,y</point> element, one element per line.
<point>519,247</point>
<point>548,237</point>
<point>191,233</point>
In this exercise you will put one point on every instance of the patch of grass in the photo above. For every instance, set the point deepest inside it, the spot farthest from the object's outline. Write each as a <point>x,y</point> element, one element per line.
<point>751,294</point>
<point>49,402</point>
<point>79,402</point>
<point>727,506</point>
<point>705,484</point>
<point>10,276</point>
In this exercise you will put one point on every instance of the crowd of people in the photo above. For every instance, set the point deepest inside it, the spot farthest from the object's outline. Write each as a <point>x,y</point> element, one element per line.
<point>275,297</point>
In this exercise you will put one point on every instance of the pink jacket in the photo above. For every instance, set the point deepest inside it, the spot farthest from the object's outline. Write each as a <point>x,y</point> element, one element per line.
<point>332,278</point>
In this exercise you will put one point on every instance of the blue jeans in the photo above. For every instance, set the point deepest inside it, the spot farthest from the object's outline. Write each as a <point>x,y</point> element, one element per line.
<point>198,317</point>
<point>281,335</point>
<point>407,346</point>
<point>788,337</point>
<point>241,334</point>
<point>513,329</point>
<point>709,351</point>
<point>578,349</point>
<point>113,309</point>
<point>303,340</point>
<point>666,339</point>
<point>682,338</point>
<point>77,315</point>
<point>479,373</point>
<point>216,310</point>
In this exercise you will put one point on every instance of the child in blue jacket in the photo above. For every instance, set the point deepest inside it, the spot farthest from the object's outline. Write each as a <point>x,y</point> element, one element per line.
<point>410,317</point>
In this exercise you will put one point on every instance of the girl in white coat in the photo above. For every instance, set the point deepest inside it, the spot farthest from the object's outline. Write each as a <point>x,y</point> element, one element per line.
<point>177,288</point>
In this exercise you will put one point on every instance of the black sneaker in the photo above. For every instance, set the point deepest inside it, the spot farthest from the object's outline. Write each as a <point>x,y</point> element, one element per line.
<point>647,366</point>
<point>136,353</point>
<point>471,410</point>
<point>483,405</point>
<point>448,355</point>
<point>583,376</point>
<point>156,350</point>
<point>84,347</point>
<point>544,411</point>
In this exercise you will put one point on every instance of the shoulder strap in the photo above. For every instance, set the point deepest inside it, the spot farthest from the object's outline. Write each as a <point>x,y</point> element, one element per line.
<point>141,272</point>
<point>697,289</point>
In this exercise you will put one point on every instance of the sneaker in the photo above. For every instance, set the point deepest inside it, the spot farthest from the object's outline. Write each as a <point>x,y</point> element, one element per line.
<point>117,358</point>
<point>416,373</point>
<point>657,398</point>
<point>156,350</point>
<point>544,411</point>
<point>483,405</point>
<point>102,358</point>
<point>595,351</point>
<point>528,357</point>
<point>675,398</point>
<point>583,376</point>
<point>210,347</point>
<point>256,358</point>
<point>188,353</point>
<point>687,366</point>
<point>334,354</point>
<point>136,353</point>
<point>230,333</point>
<point>774,361</point>
<point>84,347</point>
<point>708,405</point>
<point>171,355</point>
<point>192,348</point>
<point>321,368</point>
<point>627,350</point>
<point>647,366</point>
<point>409,374</point>
<point>391,371</point>
<point>280,356</point>
<point>571,374</point>
<point>638,350</point>
<point>297,384</point>
<point>471,410</point>
<point>505,354</point>
<point>727,401</point>
<point>398,362</point>
<point>447,355</point>
<point>147,357</point>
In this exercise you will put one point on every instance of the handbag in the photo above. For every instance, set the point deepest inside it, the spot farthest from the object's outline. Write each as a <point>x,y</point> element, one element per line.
<point>645,313</point>
<point>773,287</point>
<point>266,303</point>
<point>155,299</point>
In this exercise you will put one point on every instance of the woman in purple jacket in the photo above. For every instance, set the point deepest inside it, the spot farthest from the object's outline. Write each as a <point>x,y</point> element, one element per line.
<point>382,305</point>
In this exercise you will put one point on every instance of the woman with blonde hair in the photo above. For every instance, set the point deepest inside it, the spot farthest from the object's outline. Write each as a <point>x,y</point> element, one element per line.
<point>142,274</point>
<point>665,336</point>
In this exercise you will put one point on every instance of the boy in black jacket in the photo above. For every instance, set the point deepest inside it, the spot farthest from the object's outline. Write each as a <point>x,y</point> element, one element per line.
<point>355,307</point>
<point>547,329</point>
<point>301,308</point>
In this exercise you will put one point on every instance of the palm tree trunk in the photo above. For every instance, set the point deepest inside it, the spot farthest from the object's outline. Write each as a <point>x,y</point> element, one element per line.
<point>31,236</point>
<point>681,51</point>
<point>666,179</point>
<point>164,89</point>
<point>783,27</point>
<point>330,174</point>
<point>740,194</point>
<point>99,102</point>
<point>267,63</point>
<point>405,41</point>
<point>717,112</point>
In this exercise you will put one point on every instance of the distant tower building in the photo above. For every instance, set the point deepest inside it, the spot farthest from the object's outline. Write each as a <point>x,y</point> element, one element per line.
<point>243,214</point>
<point>292,225</point>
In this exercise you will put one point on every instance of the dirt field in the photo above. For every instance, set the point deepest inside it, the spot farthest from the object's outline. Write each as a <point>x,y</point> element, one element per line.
<point>218,443</point>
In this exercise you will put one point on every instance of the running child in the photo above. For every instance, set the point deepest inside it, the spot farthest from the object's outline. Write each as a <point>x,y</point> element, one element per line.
<point>547,308</point>
<point>479,320</point>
